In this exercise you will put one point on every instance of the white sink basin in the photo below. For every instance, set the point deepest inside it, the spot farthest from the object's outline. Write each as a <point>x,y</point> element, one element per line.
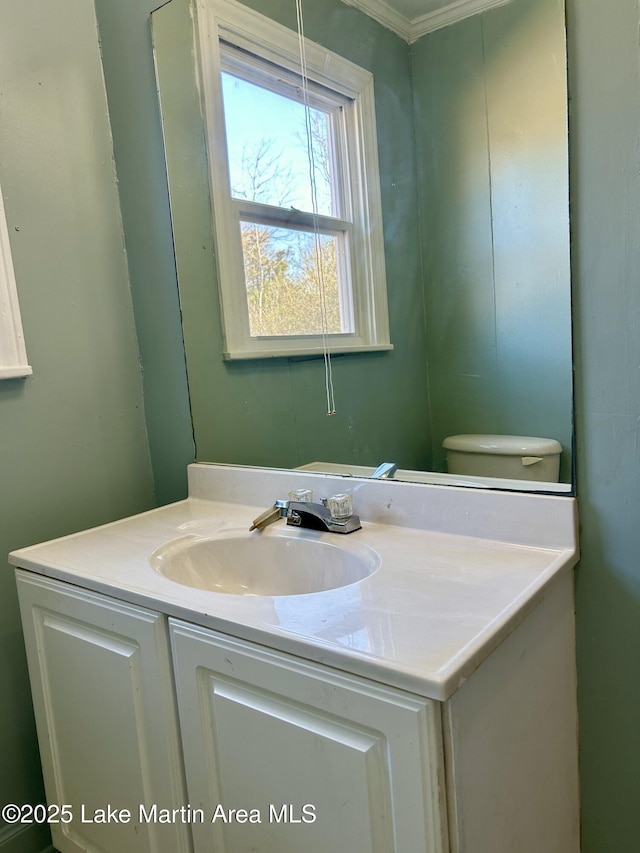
<point>274,562</point>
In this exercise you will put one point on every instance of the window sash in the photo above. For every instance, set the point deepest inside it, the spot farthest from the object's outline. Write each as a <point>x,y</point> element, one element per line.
<point>345,290</point>
<point>288,84</point>
<point>287,217</point>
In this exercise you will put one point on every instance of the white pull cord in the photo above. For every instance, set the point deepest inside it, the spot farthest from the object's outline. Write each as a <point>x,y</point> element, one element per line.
<point>331,405</point>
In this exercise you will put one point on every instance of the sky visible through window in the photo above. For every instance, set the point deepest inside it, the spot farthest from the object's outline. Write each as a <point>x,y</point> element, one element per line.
<point>268,149</point>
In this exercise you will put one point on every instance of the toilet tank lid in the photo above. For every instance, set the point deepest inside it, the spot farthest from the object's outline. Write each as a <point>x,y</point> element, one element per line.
<point>503,445</point>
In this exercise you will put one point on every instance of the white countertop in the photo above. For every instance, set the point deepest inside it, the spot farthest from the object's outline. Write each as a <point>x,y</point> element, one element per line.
<point>440,602</point>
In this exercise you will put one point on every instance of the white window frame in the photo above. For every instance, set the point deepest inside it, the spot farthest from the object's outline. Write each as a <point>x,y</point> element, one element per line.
<point>237,25</point>
<point>13,353</point>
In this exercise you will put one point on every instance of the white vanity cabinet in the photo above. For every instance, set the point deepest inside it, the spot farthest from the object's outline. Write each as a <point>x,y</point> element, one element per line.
<point>315,760</point>
<point>105,711</point>
<point>285,755</point>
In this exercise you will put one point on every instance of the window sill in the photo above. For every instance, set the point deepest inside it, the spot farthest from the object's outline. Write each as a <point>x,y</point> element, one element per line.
<point>316,352</point>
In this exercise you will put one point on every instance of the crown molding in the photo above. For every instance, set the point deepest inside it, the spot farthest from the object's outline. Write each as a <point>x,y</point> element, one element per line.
<point>450,14</point>
<point>385,15</point>
<point>411,29</point>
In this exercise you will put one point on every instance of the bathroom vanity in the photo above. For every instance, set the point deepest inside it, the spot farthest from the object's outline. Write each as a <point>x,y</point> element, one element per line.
<point>422,700</point>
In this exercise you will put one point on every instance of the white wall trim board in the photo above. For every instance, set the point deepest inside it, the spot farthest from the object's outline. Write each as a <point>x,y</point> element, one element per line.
<point>13,354</point>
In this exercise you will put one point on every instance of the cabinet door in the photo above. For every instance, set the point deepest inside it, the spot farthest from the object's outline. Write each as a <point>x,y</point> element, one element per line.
<point>105,712</point>
<point>317,761</point>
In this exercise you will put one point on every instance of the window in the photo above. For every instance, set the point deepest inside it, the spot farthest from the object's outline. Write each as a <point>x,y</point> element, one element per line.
<point>13,355</point>
<point>295,190</point>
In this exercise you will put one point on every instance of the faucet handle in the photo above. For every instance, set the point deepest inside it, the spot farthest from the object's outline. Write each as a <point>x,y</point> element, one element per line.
<point>278,510</point>
<point>301,496</point>
<point>340,506</point>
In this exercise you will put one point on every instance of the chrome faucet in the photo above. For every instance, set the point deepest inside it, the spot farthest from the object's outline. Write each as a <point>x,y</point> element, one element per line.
<point>385,471</point>
<point>333,515</point>
<point>319,517</point>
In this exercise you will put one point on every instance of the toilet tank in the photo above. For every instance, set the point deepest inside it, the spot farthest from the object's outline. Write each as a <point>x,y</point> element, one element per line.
<point>513,457</point>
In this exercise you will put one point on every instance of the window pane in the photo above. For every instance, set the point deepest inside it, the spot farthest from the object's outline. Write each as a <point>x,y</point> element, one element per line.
<point>268,151</point>
<point>285,275</point>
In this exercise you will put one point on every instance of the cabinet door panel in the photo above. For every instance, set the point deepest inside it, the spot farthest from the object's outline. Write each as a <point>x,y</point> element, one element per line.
<point>102,691</point>
<point>326,761</point>
<point>272,753</point>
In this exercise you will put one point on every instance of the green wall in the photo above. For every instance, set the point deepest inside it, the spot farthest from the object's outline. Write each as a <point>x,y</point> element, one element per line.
<point>273,411</point>
<point>604,128</point>
<point>73,446</point>
<point>491,114</point>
